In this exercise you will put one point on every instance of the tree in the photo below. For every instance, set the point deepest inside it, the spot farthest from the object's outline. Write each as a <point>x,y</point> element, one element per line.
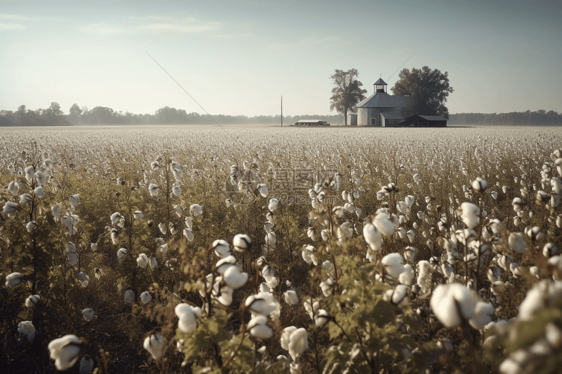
<point>429,89</point>
<point>347,92</point>
<point>75,113</point>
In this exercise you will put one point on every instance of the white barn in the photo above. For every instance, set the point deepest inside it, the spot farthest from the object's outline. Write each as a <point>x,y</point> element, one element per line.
<point>382,109</point>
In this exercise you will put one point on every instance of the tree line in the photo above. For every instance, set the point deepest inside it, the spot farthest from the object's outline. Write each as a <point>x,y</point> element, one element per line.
<point>537,118</point>
<point>54,116</point>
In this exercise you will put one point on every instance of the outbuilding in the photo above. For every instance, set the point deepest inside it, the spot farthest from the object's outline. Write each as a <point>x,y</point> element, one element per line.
<point>380,102</point>
<point>422,120</point>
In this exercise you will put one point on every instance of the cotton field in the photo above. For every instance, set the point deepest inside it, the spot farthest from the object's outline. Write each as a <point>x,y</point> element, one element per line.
<point>185,249</point>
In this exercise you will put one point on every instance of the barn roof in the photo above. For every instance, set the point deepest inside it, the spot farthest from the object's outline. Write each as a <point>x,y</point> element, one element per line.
<point>391,116</point>
<point>433,118</point>
<point>384,100</point>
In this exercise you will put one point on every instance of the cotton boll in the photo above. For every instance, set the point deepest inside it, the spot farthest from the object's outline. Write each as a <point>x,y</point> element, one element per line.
<point>39,192</point>
<point>263,303</point>
<point>155,345</point>
<point>291,297</point>
<point>241,242</point>
<point>259,329</point>
<point>470,215</point>
<point>129,296</point>
<point>452,304</point>
<point>94,247</point>
<point>516,242</point>
<point>383,224</point>
<point>233,278</point>
<point>142,260</point>
<point>479,185</point>
<point>13,279</point>
<point>121,253</point>
<point>223,264</point>
<point>322,318</point>
<point>31,226</point>
<point>188,235</point>
<point>32,301</point>
<point>327,287</point>
<point>13,188</point>
<point>73,199</point>
<point>25,199</point>
<point>273,205</point>
<point>88,314</point>
<point>164,248</point>
<point>153,190</point>
<point>187,317</point>
<point>65,351</point>
<point>162,227</point>
<point>196,209</point>
<point>221,248</point>
<point>145,297</point>
<point>27,329</point>
<point>29,173</point>
<point>407,275</point>
<point>138,215</point>
<point>298,343</point>
<point>372,236</point>
<point>393,264</point>
<point>549,250</point>
<point>535,299</point>
<point>482,315</point>
<point>176,190</point>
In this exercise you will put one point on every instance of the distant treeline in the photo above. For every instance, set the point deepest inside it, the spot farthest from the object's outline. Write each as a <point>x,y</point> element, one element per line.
<point>54,116</point>
<point>538,118</point>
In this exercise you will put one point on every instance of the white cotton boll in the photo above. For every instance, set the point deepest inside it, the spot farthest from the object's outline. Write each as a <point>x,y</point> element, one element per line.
<point>264,288</point>
<point>407,275</point>
<point>56,210</point>
<point>86,365</point>
<point>233,278</point>
<point>482,315</point>
<point>88,314</point>
<point>479,185</point>
<point>221,248</point>
<point>73,199</point>
<point>153,189</point>
<point>225,297</point>
<point>162,227</point>
<point>298,343</point>
<point>241,242</point>
<point>155,345</point>
<point>410,200</point>
<point>29,173</point>
<point>115,218</point>
<point>13,188</point>
<point>121,253</point>
<point>385,226</point>
<point>291,297</point>
<point>272,282</point>
<point>223,264</point>
<point>271,240</point>
<point>188,234</point>
<point>83,278</point>
<point>402,207</point>
<point>322,318</point>
<point>259,329</point>
<point>25,199</point>
<point>398,296</point>
<point>187,317</point>
<point>311,308</point>
<point>176,190</point>
<point>516,242</point>
<point>27,329</point>
<point>164,248</point>
<point>31,226</point>
<point>263,303</point>
<point>178,210</point>
<point>549,250</point>
<point>94,247</point>
<point>65,351</point>
<point>138,215</point>
<point>372,236</point>
<point>306,257</point>
<point>145,297</point>
<point>32,301</point>
<point>470,215</point>
<point>39,192</point>
<point>273,205</point>
<point>535,299</point>
<point>286,337</point>
<point>153,263</point>
<point>13,279</point>
<point>196,209</point>
<point>262,189</point>
<point>444,304</point>
<point>327,287</point>
<point>393,264</point>
<point>142,260</point>
<point>129,296</point>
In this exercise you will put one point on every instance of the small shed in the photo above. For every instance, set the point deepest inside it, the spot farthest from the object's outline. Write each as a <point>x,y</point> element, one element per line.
<point>422,120</point>
<point>391,119</point>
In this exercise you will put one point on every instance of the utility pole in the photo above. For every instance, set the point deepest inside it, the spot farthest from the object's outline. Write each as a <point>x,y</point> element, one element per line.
<point>281,110</point>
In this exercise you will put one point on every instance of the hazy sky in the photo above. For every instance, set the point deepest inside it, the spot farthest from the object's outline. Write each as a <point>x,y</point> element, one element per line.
<point>239,57</point>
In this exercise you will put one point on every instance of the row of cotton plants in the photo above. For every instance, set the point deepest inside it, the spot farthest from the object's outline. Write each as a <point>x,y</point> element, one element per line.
<point>164,252</point>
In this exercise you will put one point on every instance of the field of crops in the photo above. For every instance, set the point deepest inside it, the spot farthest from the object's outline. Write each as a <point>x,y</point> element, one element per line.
<point>264,249</point>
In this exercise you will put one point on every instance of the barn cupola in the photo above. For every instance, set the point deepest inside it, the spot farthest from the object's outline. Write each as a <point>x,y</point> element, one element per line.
<point>380,86</point>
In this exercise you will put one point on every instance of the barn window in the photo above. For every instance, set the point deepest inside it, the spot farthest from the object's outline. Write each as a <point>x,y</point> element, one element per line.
<point>373,121</point>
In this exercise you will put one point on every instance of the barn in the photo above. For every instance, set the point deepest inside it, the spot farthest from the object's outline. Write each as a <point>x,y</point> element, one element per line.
<point>421,120</point>
<point>382,109</point>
